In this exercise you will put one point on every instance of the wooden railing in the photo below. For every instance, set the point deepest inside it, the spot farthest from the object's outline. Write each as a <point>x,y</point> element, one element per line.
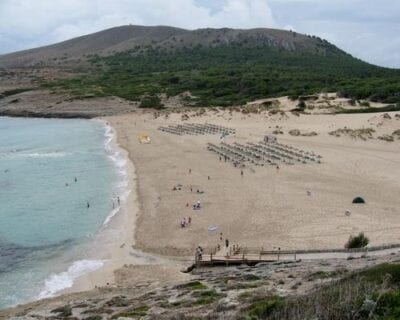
<point>243,254</point>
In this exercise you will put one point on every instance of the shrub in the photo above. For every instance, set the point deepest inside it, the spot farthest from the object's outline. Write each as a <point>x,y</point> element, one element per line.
<point>64,311</point>
<point>301,105</point>
<point>388,108</point>
<point>381,272</point>
<point>194,285</point>
<point>15,91</point>
<point>263,308</point>
<point>136,312</point>
<point>96,317</point>
<point>358,200</point>
<point>151,102</point>
<point>389,305</point>
<point>359,241</point>
<point>364,104</point>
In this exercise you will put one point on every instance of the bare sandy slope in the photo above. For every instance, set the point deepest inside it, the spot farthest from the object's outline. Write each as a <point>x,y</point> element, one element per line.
<point>266,207</point>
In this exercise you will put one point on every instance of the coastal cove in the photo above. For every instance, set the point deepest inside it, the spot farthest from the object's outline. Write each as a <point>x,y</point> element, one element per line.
<point>142,247</point>
<point>283,215</point>
<point>199,160</point>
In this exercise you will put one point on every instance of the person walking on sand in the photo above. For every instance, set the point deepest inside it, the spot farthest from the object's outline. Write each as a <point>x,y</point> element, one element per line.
<point>190,171</point>
<point>189,219</point>
<point>227,247</point>
<point>241,173</point>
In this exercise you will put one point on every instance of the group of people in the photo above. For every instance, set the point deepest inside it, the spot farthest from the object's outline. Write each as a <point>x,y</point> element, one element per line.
<point>75,180</point>
<point>186,222</point>
<point>118,201</point>
<point>197,191</point>
<point>197,206</point>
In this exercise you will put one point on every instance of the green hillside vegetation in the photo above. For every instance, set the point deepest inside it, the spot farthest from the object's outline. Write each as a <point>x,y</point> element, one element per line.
<point>235,74</point>
<point>370,294</point>
<point>388,108</point>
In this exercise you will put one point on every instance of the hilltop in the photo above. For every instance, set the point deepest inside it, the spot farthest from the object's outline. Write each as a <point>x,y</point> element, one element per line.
<point>124,38</point>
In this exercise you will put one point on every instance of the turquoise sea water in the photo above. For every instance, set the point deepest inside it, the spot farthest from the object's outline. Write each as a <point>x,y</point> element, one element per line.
<point>44,213</point>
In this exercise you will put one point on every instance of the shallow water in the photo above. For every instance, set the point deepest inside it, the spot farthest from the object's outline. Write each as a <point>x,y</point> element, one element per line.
<point>46,217</point>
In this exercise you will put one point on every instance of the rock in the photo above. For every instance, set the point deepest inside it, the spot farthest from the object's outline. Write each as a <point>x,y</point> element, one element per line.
<point>263,265</point>
<point>386,116</point>
<point>294,132</point>
<point>386,137</point>
<point>363,134</point>
<point>396,133</point>
<point>309,134</point>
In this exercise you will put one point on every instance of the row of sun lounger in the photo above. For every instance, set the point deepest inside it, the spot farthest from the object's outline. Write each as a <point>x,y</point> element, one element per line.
<point>261,154</point>
<point>197,129</point>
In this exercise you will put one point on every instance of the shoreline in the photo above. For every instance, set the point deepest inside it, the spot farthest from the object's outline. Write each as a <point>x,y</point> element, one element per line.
<point>116,235</point>
<point>123,261</point>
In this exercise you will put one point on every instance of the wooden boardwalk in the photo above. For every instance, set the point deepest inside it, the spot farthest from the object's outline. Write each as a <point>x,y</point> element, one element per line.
<point>252,256</point>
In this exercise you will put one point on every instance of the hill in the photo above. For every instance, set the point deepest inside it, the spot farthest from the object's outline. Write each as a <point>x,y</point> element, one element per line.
<point>123,38</point>
<point>213,67</point>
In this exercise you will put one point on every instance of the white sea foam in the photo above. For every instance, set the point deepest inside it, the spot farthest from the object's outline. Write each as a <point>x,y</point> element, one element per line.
<point>57,282</point>
<point>54,154</point>
<point>44,155</point>
<point>120,163</point>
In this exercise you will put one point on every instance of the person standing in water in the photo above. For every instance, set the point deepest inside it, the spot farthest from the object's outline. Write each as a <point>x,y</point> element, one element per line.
<point>119,201</point>
<point>76,180</point>
<point>87,204</point>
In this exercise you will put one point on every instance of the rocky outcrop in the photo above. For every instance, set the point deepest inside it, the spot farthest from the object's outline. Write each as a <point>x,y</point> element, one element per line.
<point>211,293</point>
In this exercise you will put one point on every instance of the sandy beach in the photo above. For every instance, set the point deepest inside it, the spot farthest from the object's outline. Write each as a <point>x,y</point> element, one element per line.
<point>266,207</point>
<point>302,206</point>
